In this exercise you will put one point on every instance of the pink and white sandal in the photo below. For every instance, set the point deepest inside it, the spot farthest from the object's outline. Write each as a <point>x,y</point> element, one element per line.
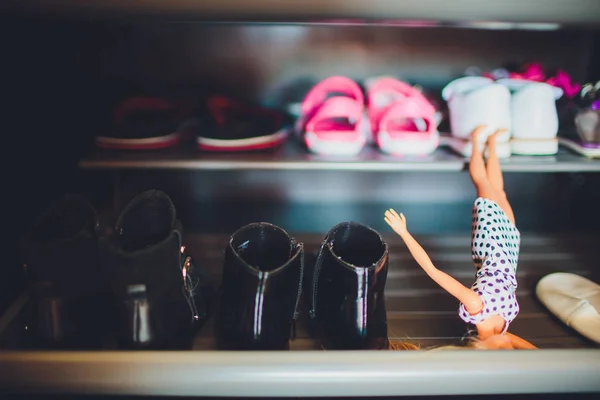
<point>331,120</point>
<point>402,120</point>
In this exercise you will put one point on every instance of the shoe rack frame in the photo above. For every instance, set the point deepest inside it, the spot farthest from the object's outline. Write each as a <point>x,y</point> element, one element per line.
<point>565,363</point>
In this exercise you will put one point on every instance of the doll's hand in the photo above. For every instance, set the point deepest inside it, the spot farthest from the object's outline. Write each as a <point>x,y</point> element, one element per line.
<point>397,222</point>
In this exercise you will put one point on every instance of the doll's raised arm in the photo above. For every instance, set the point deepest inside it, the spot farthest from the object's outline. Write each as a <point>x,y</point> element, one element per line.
<point>469,298</point>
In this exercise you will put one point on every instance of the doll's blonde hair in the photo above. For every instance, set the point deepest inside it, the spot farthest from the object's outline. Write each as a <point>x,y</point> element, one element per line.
<point>469,343</point>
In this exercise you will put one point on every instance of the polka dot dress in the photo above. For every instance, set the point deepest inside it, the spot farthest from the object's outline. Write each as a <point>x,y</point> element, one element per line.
<point>495,250</point>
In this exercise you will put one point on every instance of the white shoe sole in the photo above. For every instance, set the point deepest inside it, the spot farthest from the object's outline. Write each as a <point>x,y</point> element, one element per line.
<point>534,147</point>
<point>142,143</point>
<point>464,147</point>
<point>257,142</point>
<point>408,147</point>
<point>334,148</point>
<point>578,148</point>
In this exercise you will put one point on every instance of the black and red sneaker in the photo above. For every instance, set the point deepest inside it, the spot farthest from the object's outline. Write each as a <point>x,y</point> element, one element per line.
<point>230,125</point>
<point>142,123</point>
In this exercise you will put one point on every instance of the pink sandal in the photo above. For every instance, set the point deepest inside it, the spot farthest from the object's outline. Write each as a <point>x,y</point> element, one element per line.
<point>402,119</point>
<point>331,121</point>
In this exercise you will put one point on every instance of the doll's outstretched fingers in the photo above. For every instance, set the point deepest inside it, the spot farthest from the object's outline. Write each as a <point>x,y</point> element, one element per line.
<point>393,213</point>
<point>388,218</point>
<point>391,217</point>
<point>395,221</point>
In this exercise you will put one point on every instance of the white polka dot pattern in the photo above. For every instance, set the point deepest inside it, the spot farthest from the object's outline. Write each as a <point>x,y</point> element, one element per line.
<point>495,250</point>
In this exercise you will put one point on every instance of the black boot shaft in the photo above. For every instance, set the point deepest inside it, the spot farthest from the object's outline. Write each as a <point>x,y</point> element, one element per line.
<point>159,296</point>
<point>157,267</point>
<point>60,254</point>
<point>262,278</point>
<point>61,248</point>
<point>347,289</point>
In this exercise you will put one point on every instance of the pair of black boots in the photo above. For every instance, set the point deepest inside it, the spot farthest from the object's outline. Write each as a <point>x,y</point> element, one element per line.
<point>136,283</point>
<point>264,275</point>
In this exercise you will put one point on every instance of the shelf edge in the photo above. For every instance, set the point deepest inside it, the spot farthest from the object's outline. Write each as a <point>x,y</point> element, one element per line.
<point>302,374</point>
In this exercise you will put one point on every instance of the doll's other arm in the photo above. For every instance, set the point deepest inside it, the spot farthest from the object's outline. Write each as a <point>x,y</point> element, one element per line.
<point>519,343</point>
<point>469,298</point>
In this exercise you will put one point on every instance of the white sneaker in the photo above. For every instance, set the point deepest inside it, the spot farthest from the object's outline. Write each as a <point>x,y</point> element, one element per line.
<point>534,116</point>
<point>474,101</point>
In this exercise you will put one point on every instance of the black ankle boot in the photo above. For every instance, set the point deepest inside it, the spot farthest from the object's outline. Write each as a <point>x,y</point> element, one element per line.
<point>161,299</point>
<point>345,289</point>
<point>262,278</point>
<point>63,277</point>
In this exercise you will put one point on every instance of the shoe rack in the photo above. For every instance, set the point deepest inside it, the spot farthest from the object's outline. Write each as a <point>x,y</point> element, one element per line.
<point>293,156</point>
<point>254,47</point>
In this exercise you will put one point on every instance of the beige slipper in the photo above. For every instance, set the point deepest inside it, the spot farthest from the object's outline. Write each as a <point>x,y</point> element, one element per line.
<point>575,300</point>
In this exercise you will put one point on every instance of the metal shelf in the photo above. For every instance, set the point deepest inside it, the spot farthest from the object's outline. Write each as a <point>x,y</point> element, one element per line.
<point>303,374</point>
<point>292,156</point>
<point>349,11</point>
<point>416,310</point>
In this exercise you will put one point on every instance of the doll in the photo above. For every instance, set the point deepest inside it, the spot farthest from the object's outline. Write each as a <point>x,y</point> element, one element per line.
<point>490,304</point>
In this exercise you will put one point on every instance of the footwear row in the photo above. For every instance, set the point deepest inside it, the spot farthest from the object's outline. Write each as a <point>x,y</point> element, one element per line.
<point>340,117</point>
<point>336,119</point>
<point>139,286</point>
<point>524,105</point>
<point>218,124</point>
<point>525,110</point>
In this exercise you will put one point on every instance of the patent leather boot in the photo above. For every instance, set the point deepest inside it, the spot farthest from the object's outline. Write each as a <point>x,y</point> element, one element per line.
<point>345,289</point>
<point>65,307</point>
<point>262,282</point>
<point>160,297</point>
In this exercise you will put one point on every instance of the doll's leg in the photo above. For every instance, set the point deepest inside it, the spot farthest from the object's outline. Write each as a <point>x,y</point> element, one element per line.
<point>477,169</point>
<point>494,174</point>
